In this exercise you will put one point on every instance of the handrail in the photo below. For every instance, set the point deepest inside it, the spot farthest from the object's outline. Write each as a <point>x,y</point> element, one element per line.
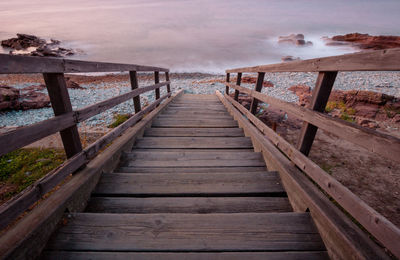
<point>382,60</point>
<point>66,120</point>
<point>11,64</point>
<point>313,118</point>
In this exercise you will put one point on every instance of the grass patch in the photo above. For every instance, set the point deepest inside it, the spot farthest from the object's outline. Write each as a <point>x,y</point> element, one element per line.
<point>119,119</point>
<point>23,167</point>
<point>346,112</point>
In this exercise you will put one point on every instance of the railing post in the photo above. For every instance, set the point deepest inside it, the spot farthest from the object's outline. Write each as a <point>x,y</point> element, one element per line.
<point>61,103</point>
<point>238,81</point>
<point>135,85</point>
<point>259,85</point>
<point>157,80</point>
<point>319,99</point>
<point>227,80</point>
<point>167,79</point>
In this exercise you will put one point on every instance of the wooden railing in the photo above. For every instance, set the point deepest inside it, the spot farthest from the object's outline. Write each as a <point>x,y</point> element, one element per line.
<point>66,120</point>
<point>383,144</point>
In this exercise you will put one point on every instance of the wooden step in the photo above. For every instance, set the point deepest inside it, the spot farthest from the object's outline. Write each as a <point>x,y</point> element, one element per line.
<point>197,117</point>
<point>195,142</point>
<point>194,112</point>
<point>193,184</point>
<point>199,132</point>
<point>213,158</point>
<point>191,205</point>
<point>200,108</point>
<point>188,232</point>
<point>209,170</point>
<point>310,255</point>
<point>200,123</point>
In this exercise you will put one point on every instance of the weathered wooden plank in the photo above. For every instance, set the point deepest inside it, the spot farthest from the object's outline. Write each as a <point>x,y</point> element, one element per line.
<point>20,137</point>
<point>212,132</point>
<point>195,205</point>
<point>380,60</point>
<point>172,116</point>
<point>341,236</point>
<point>194,123</point>
<point>28,236</point>
<point>191,155</point>
<point>374,222</point>
<point>70,255</point>
<point>189,170</point>
<point>189,232</point>
<point>238,81</point>
<point>320,97</point>
<point>195,163</point>
<point>227,80</point>
<point>61,104</point>
<point>92,110</point>
<point>196,112</point>
<point>257,88</point>
<point>374,141</point>
<point>167,79</point>
<point>194,142</point>
<point>194,184</point>
<point>12,64</point>
<point>156,81</point>
<point>134,85</point>
<point>199,105</point>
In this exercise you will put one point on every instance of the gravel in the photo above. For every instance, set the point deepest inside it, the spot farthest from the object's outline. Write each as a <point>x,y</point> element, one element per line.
<point>385,82</point>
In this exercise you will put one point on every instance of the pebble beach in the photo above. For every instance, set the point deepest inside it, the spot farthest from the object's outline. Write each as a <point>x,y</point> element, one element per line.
<point>98,88</point>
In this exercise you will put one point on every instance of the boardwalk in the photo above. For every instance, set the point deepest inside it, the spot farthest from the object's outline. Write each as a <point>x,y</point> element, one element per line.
<point>191,188</point>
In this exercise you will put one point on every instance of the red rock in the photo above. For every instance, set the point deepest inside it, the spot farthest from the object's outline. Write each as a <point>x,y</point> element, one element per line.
<point>366,41</point>
<point>72,84</point>
<point>34,100</point>
<point>8,97</point>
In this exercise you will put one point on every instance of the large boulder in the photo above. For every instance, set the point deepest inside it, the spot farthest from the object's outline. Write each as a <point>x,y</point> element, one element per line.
<point>33,100</point>
<point>23,41</point>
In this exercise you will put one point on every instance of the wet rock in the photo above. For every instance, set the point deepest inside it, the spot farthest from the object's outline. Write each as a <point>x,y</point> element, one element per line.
<point>365,41</point>
<point>31,45</point>
<point>295,39</point>
<point>8,97</point>
<point>289,58</point>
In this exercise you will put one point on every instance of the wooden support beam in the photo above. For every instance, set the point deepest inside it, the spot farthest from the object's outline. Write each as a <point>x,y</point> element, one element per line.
<point>259,85</point>
<point>157,80</point>
<point>238,81</point>
<point>320,97</point>
<point>135,85</point>
<point>167,79</point>
<point>59,97</point>
<point>227,80</point>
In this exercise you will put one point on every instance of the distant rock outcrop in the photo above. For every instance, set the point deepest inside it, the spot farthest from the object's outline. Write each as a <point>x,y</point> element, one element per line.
<point>364,41</point>
<point>289,58</point>
<point>296,39</point>
<point>31,45</point>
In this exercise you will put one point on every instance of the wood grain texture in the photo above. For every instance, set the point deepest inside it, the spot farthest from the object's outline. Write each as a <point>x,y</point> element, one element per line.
<point>380,60</point>
<point>187,170</point>
<point>189,232</point>
<point>193,205</point>
<point>134,85</point>
<point>194,142</point>
<point>194,132</point>
<point>61,104</point>
<point>320,96</point>
<point>312,255</point>
<point>343,238</point>
<point>371,220</point>
<point>258,87</point>
<point>374,141</point>
<point>179,184</point>
<point>194,123</point>
<point>13,64</point>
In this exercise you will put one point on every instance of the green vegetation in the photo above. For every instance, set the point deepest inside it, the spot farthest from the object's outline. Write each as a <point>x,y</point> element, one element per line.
<point>119,119</point>
<point>23,167</point>
<point>391,111</point>
<point>346,112</point>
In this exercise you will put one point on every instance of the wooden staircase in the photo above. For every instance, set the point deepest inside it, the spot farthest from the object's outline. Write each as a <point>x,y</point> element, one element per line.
<point>191,188</point>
